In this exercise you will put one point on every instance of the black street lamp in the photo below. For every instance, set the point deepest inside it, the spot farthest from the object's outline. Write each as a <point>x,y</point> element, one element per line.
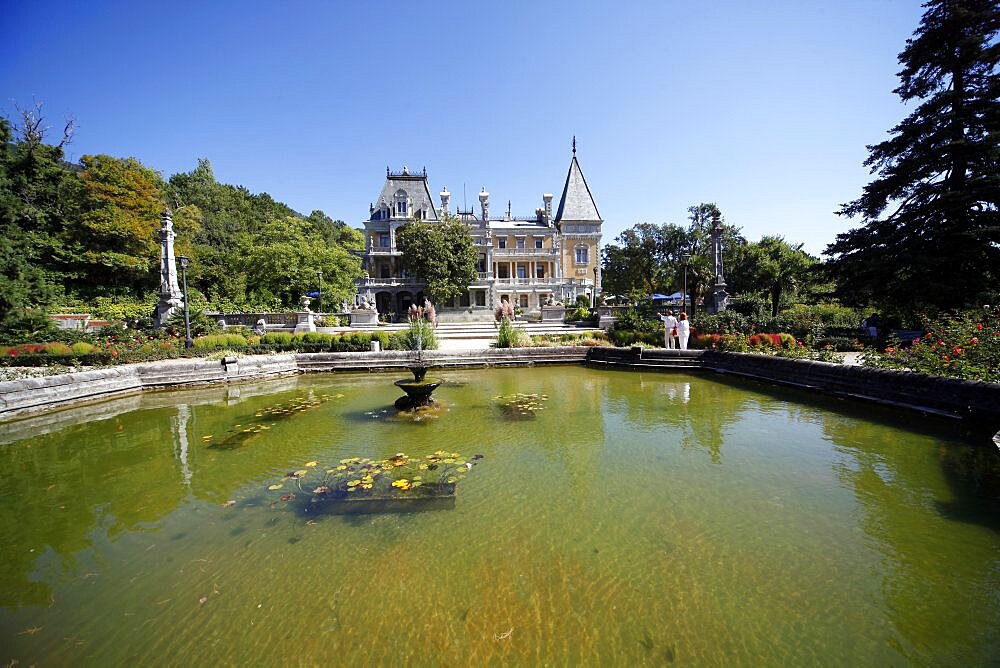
<point>319,275</point>
<point>686,259</point>
<point>594,296</point>
<point>188,342</point>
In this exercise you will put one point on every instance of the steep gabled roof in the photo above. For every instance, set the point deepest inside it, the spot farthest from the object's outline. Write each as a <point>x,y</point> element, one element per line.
<point>577,203</point>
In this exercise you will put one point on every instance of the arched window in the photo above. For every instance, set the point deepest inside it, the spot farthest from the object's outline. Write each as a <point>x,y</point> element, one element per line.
<point>401,202</point>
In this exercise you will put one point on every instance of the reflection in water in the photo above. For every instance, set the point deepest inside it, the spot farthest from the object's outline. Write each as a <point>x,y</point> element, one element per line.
<point>181,432</point>
<point>893,477</point>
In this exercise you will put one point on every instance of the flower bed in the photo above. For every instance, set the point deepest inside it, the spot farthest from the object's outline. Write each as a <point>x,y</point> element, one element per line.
<point>965,346</point>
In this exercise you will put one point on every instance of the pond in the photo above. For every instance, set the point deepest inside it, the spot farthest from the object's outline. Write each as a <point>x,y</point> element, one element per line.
<point>614,518</point>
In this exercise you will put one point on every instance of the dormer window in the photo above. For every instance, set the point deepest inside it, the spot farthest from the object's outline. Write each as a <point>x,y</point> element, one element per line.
<point>402,203</point>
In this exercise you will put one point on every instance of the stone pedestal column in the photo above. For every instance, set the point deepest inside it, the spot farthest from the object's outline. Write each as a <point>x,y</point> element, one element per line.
<point>171,297</point>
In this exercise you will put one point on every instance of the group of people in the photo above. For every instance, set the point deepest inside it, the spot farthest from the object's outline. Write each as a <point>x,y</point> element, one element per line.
<point>675,330</point>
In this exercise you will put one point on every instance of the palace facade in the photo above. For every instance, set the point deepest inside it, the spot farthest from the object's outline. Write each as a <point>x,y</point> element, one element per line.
<point>526,260</point>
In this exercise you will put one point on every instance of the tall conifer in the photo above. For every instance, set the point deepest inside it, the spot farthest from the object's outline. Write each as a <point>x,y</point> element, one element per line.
<point>931,232</point>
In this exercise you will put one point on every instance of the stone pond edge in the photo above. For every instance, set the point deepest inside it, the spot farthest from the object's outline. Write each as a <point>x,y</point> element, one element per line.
<point>971,401</point>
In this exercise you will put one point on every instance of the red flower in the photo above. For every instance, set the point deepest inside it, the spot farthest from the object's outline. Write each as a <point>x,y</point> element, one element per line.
<point>947,357</point>
<point>916,340</point>
<point>12,352</point>
<point>890,350</point>
<point>975,340</point>
<point>956,350</point>
<point>114,353</point>
<point>941,343</point>
<point>979,326</point>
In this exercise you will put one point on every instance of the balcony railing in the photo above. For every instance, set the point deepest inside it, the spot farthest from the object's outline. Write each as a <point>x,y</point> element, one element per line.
<point>526,252</point>
<point>381,250</point>
<point>394,282</point>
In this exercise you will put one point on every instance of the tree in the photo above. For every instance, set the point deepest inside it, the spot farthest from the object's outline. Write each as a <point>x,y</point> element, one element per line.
<point>938,175</point>
<point>641,260</point>
<point>114,231</point>
<point>33,195</point>
<point>782,268</point>
<point>280,264</point>
<point>442,254</point>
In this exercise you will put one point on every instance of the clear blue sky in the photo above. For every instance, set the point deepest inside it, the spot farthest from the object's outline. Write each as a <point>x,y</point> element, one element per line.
<point>764,107</point>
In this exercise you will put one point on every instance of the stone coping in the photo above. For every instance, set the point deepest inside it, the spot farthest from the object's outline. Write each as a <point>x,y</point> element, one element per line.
<point>27,396</point>
<point>974,402</point>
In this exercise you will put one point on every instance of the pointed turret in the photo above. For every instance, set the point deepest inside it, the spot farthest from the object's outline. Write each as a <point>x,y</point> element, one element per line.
<point>577,204</point>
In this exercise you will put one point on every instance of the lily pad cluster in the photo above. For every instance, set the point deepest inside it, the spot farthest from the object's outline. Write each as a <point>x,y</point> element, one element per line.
<point>520,406</point>
<point>266,418</point>
<point>394,476</point>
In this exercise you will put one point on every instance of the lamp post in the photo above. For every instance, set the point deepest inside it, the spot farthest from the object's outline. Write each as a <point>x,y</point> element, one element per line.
<point>594,296</point>
<point>686,259</point>
<point>188,342</point>
<point>319,275</point>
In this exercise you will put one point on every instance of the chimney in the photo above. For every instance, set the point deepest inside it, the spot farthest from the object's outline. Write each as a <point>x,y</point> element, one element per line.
<point>547,198</point>
<point>484,201</point>
<point>445,200</point>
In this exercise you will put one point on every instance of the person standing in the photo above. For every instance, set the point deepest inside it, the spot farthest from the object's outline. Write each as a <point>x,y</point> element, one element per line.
<point>683,330</point>
<point>669,329</point>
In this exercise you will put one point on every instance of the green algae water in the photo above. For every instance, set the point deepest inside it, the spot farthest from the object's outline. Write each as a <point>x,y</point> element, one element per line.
<point>626,518</point>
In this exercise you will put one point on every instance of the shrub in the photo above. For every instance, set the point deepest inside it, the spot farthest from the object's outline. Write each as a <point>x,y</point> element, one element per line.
<point>706,341</point>
<point>734,343</point>
<point>278,340</point>
<point>214,341</point>
<point>317,338</point>
<point>420,334</point>
<point>57,349</point>
<point>82,348</point>
<point>727,322</point>
<point>966,346</point>
<point>508,336</point>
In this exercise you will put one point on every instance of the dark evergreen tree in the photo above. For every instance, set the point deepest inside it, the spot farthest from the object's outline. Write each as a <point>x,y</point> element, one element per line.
<point>931,233</point>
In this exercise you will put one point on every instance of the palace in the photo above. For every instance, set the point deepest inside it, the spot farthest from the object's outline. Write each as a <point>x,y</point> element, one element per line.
<point>525,260</point>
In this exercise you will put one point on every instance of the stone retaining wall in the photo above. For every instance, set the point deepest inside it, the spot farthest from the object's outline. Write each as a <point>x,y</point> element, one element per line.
<point>32,395</point>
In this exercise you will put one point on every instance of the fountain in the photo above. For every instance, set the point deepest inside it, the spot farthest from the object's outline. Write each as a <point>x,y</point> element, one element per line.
<point>419,390</point>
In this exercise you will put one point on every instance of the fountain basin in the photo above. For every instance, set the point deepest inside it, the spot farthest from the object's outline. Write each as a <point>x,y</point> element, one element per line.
<point>418,392</point>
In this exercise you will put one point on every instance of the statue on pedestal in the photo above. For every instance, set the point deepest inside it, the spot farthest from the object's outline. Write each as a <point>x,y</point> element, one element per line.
<point>171,297</point>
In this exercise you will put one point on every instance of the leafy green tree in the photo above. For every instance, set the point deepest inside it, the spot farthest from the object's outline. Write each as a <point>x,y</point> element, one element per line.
<point>642,259</point>
<point>701,275</point>
<point>931,227</point>
<point>281,261</point>
<point>442,254</point>
<point>782,269</point>
<point>114,232</point>
<point>33,187</point>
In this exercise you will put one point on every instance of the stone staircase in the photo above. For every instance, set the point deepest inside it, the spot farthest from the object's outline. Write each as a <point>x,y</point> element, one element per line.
<point>487,331</point>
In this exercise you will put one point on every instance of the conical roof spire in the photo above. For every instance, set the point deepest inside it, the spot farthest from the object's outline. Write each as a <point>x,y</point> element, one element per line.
<point>576,202</point>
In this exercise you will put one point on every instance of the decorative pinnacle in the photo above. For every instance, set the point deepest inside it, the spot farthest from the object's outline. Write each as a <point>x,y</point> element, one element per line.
<point>574,146</point>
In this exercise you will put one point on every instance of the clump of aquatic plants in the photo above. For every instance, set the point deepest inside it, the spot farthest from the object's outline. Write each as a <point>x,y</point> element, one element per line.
<point>520,406</point>
<point>264,419</point>
<point>398,476</point>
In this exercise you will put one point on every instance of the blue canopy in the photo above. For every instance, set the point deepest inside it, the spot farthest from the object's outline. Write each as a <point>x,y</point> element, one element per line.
<point>657,295</point>
<point>676,295</point>
<point>314,293</point>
